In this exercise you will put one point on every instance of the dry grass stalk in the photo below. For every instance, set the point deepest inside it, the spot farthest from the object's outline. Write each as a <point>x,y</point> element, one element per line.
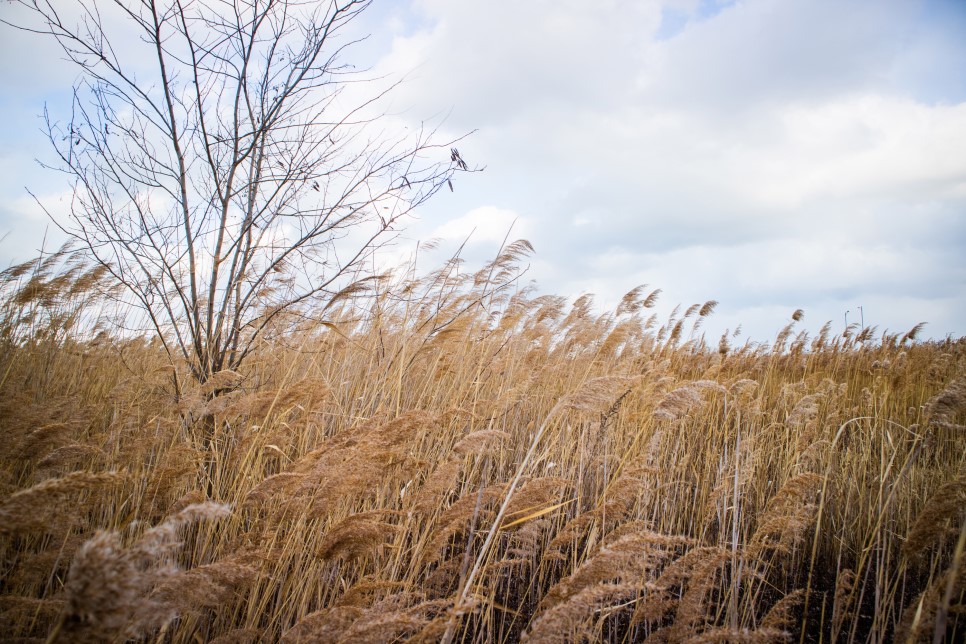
<point>805,409</point>
<point>789,515</point>
<point>571,620</point>
<point>207,587</point>
<point>684,586</point>
<point>533,497</point>
<point>919,620</point>
<point>473,507</point>
<point>480,442</point>
<point>303,394</point>
<point>357,536</point>
<point>783,616</point>
<point>524,546</point>
<point>111,589</point>
<point>240,636</point>
<point>43,439</point>
<point>443,580</point>
<point>324,626</point>
<point>702,576</point>
<point>70,455</point>
<point>330,466</point>
<point>223,380</point>
<point>947,407</point>
<point>679,402</point>
<point>615,507</point>
<point>36,571</point>
<point>394,618</point>
<point>191,498</point>
<point>724,635</point>
<point>597,394</point>
<point>940,518</point>
<point>364,593</point>
<point>385,622</point>
<point>842,610</point>
<point>441,482</point>
<point>51,503</point>
<point>27,616</point>
<point>321,479</point>
<point>631,556</point>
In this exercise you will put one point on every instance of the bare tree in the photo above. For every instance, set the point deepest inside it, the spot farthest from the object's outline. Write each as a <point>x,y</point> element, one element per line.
<point>225,169</point>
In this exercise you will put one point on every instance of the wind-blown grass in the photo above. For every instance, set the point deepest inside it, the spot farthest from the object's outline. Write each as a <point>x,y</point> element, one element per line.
<point>454,460</point>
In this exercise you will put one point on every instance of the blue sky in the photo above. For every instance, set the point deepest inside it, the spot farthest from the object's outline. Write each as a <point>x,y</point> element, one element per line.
<point>675,17</point>
<point>769,154</point>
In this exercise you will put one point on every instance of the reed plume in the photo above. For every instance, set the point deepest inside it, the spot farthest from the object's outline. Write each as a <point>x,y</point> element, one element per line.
<point>111,589</point>
<point>683,588</point>
<point>356,536</point>
<point>789,515</point>
<point>50,504</point>
<point>631,555</point>
<point>448,459</point>
<point>941,517</point>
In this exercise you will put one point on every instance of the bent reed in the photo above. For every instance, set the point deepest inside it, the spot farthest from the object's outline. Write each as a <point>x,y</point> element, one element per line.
<point>450,459</point>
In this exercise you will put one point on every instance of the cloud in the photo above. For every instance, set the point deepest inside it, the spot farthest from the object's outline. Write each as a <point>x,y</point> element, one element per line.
<point>765,52</point>
<point>757,152</point>
<point>25,229</point>
<point>484,225</point>
<point>770,154</point>
<point>491,62</point>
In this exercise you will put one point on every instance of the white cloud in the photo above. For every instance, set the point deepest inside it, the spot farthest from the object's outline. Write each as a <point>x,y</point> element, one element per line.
<point>777,51</point>
<point>767,152</point>
<point>770,154</point>
<point>493,61</point>
<point>486,225</point>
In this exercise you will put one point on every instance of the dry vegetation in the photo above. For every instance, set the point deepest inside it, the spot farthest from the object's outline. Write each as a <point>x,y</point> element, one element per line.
<point>452,461</point>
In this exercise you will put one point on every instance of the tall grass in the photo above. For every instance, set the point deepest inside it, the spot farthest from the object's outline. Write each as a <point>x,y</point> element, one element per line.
<point>451,460</point>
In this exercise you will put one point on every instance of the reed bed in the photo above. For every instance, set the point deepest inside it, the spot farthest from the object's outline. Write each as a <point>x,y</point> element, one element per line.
<point>455,458</point>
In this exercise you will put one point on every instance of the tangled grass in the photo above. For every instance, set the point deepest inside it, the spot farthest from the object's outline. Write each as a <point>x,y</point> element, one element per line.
<point>452,461</point>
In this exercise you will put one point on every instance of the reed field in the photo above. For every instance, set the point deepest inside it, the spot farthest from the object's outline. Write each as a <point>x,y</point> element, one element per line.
<point>456,458</point>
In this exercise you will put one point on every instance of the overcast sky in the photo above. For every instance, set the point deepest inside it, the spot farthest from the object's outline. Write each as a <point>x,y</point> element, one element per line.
<point>769,154</point>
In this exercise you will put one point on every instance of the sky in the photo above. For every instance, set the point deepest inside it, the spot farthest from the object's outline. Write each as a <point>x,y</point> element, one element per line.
<point>768,154</point>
